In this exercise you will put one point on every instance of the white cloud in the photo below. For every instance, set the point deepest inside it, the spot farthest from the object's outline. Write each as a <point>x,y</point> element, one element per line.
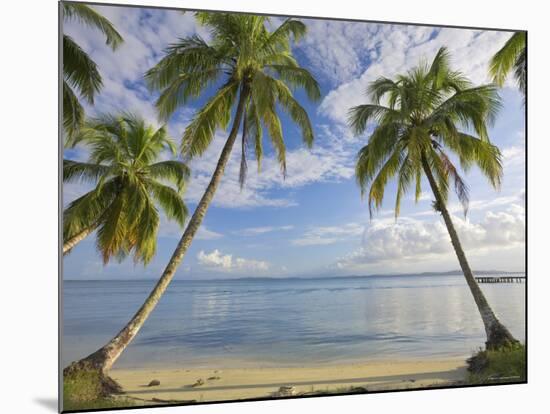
<point>340,51</point>
<point>330,161</point>
<point>399,48</point>
<point>254,231</point>
<point>329,235</point>
<point>409,240</point>
<point>215,260</point>
<point>424,196</point>
<point>513,156</point>
<point>480,205</point>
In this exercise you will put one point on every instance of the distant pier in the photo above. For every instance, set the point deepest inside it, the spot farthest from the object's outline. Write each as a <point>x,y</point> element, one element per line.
<point>500,279</point>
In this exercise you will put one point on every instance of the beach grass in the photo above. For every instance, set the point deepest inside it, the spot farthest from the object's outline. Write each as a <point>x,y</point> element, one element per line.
<point>506,364</point>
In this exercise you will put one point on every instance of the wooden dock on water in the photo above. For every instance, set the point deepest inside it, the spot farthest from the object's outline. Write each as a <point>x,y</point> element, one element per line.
<point>500,279</point>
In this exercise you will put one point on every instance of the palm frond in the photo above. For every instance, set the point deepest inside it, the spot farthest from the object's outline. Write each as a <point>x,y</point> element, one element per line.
<point>84,172</point>
<point>175,172</point>
<point>254,132</point>
<point>243,168</point>
<point>215,114</point>
<point>378,185</point>
<point>187,86</point>
<point>79,70</point>
<point>87,15</point>
<point>279,38</point>
<point>170,201</point>
<point>73,115</point>
<point>473,108</point>
<point>297,77</point>
<point>86,211</point>
<point>359,116</point>
<point>506,58</point>
<point>295,110</point>
<point>461,189</point>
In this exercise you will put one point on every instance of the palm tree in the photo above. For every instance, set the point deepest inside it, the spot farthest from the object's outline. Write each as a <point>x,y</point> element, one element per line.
<point>80,72</point>
<point>130,180</point>
<point>513,55</point>
<point>417,117</point>
<point>254,71</point>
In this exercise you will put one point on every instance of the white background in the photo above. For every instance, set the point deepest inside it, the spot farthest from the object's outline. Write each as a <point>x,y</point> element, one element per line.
<point>28,204</point>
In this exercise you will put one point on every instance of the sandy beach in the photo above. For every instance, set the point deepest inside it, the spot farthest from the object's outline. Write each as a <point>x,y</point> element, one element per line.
<point>202,384</point>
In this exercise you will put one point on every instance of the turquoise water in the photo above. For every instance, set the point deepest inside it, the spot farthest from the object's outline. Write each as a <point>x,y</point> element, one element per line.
<point>287,321</point>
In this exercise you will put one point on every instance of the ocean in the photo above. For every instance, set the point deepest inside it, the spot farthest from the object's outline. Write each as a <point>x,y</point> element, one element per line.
<point>286,321</point>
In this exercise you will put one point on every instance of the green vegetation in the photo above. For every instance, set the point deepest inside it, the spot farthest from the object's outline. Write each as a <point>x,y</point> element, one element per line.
<point>130,181</point>
<point>413,137</point>
<point>84,391</point>
<point>513,55</point>
<point>506,364</point>
<point>257,72</point>
<point>81,75</point>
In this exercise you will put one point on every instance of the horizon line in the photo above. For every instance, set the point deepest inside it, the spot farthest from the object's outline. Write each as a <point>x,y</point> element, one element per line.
<point>427,273</point>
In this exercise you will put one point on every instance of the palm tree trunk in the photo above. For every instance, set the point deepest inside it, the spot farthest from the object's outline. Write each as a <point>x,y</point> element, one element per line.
<point>497,334</point>
<point>104,358</point>
<point>77,238</point>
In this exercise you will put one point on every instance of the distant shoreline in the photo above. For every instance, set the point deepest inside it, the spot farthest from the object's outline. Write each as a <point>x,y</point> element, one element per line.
<point>304,278</point>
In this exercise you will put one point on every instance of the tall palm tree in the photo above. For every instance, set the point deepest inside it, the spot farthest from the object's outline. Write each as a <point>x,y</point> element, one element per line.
<point>418,117</point>
<point>129,182</point>
<point>254,71</point>
<point>80,73</point>
<point>513,55</point>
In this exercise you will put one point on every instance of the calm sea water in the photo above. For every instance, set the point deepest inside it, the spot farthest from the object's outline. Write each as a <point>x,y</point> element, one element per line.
<point>289,321</point>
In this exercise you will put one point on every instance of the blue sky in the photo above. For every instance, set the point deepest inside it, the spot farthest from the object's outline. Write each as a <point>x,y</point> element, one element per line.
<point>314,223</point>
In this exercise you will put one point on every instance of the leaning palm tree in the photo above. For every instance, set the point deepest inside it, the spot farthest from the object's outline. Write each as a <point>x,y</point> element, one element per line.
<point>418,119</point>
<point>130,182</point>
<point>513,55</point>
<point>254,71</point>
<point>80,73</point>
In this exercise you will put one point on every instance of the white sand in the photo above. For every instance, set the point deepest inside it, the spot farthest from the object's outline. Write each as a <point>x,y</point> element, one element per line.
<point>261,382</point>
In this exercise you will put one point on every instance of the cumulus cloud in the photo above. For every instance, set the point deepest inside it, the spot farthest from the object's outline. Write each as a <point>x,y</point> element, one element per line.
<point>410,240</point>
<point>399,48</point>
<point>329,235</point>
<point>513,156</point>
<point>215,260</point>
<point>340,51</point>
<point>330,161</point>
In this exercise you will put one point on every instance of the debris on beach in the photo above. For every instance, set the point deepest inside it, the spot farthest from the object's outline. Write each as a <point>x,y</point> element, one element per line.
<point>285,391</point>
<point>154,383</point>
<point>214,378</point>
<point>198,383</point>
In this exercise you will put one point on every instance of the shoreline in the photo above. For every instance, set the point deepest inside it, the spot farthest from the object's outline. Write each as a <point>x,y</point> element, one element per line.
<point>223,384</point>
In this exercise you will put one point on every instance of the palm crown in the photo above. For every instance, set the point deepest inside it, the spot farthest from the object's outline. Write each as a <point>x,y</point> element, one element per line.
<point>123,163</point>
<point>419,124</point>
<point>244,58</point>
<point>513,55</point>
<point>80,73</point>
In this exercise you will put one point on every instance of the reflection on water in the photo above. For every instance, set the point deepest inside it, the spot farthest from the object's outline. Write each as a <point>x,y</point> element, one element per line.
<point>288,321</point>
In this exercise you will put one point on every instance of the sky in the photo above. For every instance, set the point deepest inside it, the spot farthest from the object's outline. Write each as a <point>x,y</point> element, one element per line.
<point>314,222</point>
